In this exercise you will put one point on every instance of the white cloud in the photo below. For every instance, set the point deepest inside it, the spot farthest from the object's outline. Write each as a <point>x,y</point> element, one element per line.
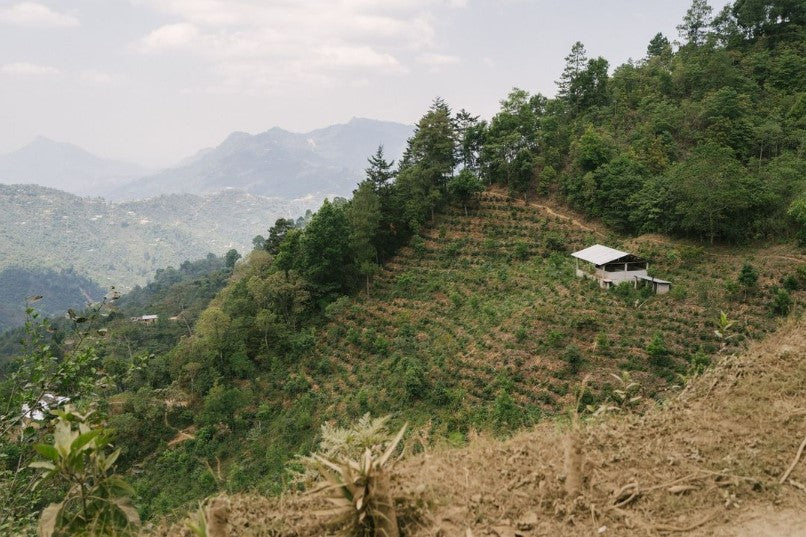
<point>28,69</point>
<point>34,15</point>
<point>170,36</point>
<point>352,56</point>
<point>257,44</point>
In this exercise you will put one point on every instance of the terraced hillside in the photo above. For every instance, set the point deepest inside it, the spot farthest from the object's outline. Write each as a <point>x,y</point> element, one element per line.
<point>482,320</point>
<point>707,463</point>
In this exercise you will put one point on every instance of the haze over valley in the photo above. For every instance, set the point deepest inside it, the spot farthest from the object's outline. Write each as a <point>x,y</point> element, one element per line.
<point>61,207</point>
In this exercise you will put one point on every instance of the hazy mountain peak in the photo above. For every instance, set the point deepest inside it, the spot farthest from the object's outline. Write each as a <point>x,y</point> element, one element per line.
<point>65,166</point>
<point>279,163</point>
<point>236,136</point>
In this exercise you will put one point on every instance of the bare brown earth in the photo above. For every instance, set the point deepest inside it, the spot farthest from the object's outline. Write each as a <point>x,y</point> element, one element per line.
<point>708,462</point>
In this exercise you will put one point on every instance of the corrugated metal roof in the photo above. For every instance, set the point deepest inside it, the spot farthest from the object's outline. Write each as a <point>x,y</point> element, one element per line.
<point>599,254</point>
<point>656,280</point>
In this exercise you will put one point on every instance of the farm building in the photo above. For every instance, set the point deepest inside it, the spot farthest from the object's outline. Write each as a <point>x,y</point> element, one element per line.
<point>146,319</point>
<point>611,267</point>
<point>659,287</point>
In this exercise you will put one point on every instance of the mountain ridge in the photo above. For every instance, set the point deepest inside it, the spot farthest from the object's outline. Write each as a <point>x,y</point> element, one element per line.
<point>65,166</point>
<point>328,161</point>
<point>121,244</point>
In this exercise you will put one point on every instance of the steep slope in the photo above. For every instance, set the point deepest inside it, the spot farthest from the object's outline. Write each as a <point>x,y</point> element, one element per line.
<point>708,462</point>
<point>487,307</point>
<point>280,163</point>
<point>67,167</point>
<point>123,244</point>
<point>479,324</point>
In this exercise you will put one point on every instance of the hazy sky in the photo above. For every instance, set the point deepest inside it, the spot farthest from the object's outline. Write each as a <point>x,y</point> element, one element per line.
<point>153,81</point>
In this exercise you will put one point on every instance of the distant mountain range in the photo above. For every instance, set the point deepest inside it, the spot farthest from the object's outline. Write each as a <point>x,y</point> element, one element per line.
<point>218,199</point>
<point>275,163</point>
<point>66,167</point>
<point>279,163</point>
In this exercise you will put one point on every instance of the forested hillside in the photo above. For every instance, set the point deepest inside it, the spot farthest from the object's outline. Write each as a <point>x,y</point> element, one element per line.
<point>122,245</point>
<point>705,142</point>
<point>443,291</point>
<point>59,291</point>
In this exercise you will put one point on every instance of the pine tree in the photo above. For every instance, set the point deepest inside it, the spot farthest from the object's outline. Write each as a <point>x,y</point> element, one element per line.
<point>379,172</point>
<point>658,46</point>
<point>575,63</point>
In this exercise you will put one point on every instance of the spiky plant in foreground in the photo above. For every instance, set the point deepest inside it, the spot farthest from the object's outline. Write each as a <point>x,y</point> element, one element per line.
<point>339,442</point>
<point>210,519</point>
<point>359,491</point>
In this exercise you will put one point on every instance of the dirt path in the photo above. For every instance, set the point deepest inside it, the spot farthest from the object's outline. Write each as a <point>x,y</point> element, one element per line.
<point>761,521</point>
<point>574,221</point>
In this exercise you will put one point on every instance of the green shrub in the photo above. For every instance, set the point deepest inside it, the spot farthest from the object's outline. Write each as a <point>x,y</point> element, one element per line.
<point>506,414</point>
<point>521,251</point>
<point>520,334</point>
<point>353,336</point>
<point>380,346</point>
<point>573,358</point>
<point>414,378</point>
<point>585,322</point>
<point>790,282</point>
<point>657,351</point>
<point>554,242</point>
<point>555,338</point>
<point>97,502</point>
<point>418,245</point>
<point>603,343</point>
<point>698,362</point>
<point>781,303</point>
<point>678,292</point>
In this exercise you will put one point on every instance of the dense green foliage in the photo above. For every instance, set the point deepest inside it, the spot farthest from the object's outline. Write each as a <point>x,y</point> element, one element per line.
<point>705,142</point>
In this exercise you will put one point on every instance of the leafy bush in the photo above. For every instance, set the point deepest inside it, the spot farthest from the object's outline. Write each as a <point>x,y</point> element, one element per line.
<point>506,413</point>
<point>747,278</point>
<point>657,351</point>
<point>418,245</point>
<point>98,502</point>
<point>554,242</point>
<point>781,303</point>
<point>521,251</point>
<point>790,282</point>
<point>573,358</point>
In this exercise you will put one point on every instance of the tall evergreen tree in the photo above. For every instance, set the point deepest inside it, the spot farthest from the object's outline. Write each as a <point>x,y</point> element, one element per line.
<point>277,234</point>
<point>575,63</point>
<point>658,46</point>
<point>380,172</point>
<point>364,217</point>
<point>325,256</point>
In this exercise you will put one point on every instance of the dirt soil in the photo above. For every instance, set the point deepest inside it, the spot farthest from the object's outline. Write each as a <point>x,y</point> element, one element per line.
<point>708,462</point>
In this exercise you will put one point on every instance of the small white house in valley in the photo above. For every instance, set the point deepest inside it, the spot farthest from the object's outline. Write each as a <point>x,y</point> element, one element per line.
<point>610,266</point>
<point>146,319</point>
